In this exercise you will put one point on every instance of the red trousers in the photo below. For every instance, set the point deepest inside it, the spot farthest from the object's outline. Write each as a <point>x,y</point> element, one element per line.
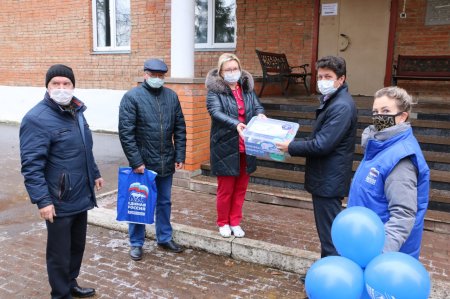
<point>231,195</point>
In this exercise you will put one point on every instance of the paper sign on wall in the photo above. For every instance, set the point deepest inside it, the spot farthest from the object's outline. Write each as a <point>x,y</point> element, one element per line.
<point>329,9</point>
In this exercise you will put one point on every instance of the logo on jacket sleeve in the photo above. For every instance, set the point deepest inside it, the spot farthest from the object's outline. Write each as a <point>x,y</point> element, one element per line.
<point>372,176</point>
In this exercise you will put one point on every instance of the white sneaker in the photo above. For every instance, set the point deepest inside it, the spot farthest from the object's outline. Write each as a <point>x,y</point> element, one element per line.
<point>237,231</point>
<point>225,231</point>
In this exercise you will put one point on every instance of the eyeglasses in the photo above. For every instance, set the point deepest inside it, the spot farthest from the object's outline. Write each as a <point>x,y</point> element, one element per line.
<point>156,75</point>
<point>230,71</point>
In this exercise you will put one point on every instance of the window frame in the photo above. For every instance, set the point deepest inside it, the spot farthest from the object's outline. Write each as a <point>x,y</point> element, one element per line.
<point>113,23</point>
<point>211,31</point>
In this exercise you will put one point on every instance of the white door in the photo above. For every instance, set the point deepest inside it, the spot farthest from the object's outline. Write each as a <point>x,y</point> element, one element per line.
<point>357,30</point>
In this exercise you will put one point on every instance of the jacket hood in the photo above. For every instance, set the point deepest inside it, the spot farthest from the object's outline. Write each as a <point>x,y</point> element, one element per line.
<point>217,84</point>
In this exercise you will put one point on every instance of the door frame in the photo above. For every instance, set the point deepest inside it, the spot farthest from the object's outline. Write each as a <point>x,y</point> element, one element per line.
<point>390,45</point>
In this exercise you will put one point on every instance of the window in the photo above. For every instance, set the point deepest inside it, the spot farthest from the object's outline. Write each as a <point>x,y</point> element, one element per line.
<point>112,25</point>
<point>215,23</point>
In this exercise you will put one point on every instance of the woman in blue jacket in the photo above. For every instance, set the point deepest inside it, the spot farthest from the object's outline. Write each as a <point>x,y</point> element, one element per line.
<point>393,177</point>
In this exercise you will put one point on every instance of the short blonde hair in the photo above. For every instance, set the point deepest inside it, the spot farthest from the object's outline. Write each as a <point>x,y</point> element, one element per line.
<point>403,100</point>
<point>227,57</point>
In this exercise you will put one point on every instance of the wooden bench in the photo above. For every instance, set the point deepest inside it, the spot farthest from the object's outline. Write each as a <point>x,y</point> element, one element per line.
<point>432,68</point>
<point>276,68</point>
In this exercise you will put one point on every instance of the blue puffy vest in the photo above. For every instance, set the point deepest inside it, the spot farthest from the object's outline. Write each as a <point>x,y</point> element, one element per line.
<point>367,187</point>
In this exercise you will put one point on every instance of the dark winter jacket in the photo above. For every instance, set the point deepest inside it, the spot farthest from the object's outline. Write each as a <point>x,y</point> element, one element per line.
<point>152,129</point>
<point>223,109</point>
<point>57,162</point>
<point>330,147</point>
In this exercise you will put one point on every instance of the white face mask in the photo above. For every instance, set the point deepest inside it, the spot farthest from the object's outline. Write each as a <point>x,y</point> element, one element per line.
<point>232,77</point>
<point>326,86</point>
<point>61,96</point>
<point>155,82</point>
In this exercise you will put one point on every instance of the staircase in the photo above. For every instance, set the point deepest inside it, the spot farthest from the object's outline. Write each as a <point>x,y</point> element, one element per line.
<point>282,182</point>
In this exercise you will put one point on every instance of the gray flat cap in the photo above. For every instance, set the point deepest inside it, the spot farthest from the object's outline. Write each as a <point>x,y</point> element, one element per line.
<point>155,65</point>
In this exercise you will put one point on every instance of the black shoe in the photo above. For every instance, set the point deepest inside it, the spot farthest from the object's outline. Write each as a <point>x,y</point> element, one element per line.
<point>302,278</point>
<point>172,246</point>
<point>82,292</point>
<point>136,253</point>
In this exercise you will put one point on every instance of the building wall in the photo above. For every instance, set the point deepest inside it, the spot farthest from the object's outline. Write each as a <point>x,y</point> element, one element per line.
<point>413,37</point>
<point>283,26</point>
<point>41,33</point>
<point>36,34</point>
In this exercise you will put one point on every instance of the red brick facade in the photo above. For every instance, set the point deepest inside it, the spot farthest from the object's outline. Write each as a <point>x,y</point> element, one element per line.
<point>198,122</point>
<point>413,37</point>
<point>275,26</point>
<point>36,34</point>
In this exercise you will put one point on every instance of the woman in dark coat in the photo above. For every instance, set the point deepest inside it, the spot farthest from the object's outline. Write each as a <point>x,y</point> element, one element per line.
<point>231,102</point>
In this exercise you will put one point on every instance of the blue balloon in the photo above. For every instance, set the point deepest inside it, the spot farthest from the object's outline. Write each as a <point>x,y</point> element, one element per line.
<point>364,294</point>
<point>334,277</point>
<point>397,275</point>
<point>358,234</point>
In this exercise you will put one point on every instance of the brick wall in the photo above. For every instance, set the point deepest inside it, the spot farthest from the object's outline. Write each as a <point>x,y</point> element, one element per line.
<point>413,37</point>
<point>37,34</point>
<point>198,123</point>
<point>275,26</point>
<point>41,33</point>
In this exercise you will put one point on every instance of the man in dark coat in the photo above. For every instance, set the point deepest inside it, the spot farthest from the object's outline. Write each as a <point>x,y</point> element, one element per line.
<point>60,175</point>
<point>152,132</point>
<point>329,149</point>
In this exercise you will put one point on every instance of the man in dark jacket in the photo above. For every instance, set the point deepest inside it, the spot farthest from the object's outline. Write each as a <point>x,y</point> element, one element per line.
<point>329,149</point>
<point>152,132</point>
<point>60,175</point>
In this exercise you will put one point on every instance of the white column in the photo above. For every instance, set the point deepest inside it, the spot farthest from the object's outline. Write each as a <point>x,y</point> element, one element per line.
<point>182,38</point>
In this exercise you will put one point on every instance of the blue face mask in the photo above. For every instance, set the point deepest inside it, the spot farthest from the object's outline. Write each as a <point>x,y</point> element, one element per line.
<point>232,77</point>
<point>155,82</point>
<point>326,86</point>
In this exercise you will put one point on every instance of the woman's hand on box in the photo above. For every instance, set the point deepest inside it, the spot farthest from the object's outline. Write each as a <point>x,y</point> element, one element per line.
<point>283,146</point>
<point>240,128</point>
<point>263,116</point>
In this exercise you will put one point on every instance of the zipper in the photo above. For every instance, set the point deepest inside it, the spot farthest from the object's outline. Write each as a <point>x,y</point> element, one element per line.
<point>162,139</point>
<point>62,185</point>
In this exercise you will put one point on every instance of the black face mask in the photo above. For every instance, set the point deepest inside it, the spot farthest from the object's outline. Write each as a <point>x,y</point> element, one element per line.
<point>384,121</point>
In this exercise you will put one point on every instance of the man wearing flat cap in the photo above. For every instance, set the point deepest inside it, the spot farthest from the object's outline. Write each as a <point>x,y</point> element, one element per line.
<point>60,175</point>
<point>152,132</point>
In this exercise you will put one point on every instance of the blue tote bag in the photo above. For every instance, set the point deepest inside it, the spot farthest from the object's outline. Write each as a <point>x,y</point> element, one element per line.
<point>136,196</point>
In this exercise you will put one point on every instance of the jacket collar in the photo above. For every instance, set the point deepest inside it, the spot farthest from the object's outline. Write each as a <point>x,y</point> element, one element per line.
<point>374,146</point>
<point>153,91</point>
<point>324,102</point>
<point>79,105</point>
<point>370,133</point>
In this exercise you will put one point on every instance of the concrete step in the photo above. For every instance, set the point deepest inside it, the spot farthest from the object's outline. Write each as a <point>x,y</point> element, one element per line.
<point>294,179</point>
<point>362,119</point>
<point>258,192</point>
<point>423,139</point>
<point>441,176</point>
<point>436,221</point>
<point>430,156</point>
<point>310,103</point>
<point>439,157</point>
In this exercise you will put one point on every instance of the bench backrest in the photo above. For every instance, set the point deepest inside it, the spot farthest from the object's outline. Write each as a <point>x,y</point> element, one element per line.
<point>426,66</point>
<point>273,63</point>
